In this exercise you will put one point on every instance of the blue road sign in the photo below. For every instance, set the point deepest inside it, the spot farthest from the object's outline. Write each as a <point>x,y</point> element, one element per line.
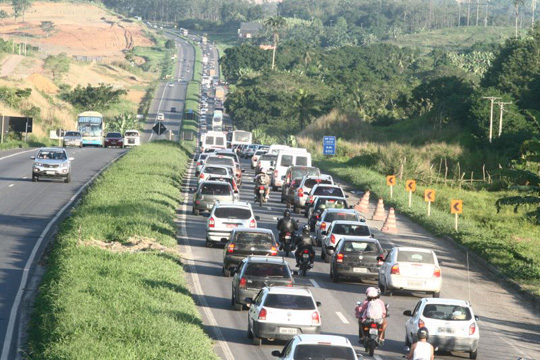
<point>329,145</point>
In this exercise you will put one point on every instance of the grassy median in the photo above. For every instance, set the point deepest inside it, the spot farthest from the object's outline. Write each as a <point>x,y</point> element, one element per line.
<point>115,287</point>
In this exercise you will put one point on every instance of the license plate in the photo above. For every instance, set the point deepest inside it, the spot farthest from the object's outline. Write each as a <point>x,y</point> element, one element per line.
<point>288,237</point>
<point>261,191</point>
<point>305,256</point>
<point>360,270</point>
<point>446,330</point>
<point>415,283</point>
<point>50,172</point>
<point>288,331</point>
<point>373,331</point>
<point>232,225</point>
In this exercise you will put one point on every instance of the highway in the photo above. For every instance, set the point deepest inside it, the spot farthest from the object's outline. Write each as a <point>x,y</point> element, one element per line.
<point>26,210</point>
<point>508,328</point>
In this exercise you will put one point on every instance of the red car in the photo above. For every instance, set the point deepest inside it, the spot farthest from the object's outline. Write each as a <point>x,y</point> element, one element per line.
<point>114,139</point>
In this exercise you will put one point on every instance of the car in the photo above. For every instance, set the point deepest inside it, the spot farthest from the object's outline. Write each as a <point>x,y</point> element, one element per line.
<point>214,170</point>
<point>328,216</point>
<point>113,139</point>
<point>247,241</point>
<point>210,192</point>
<point>410,269</point>
<point>229,179</point>
<point>51,163</point>
<point>72,138</point>
<point>301,193</point>
<point>338,229</point>
<point>255,157</point>
<point>323,190</point>
<point>171,84</point>
<point>356,259</point>
<point>173,109</point>
<point>228,153</point>
<point>160,116</point>
<point>200,163</point>
<point>320,204</point>
<point>280,313</point>
<point>451,324</point>
<point>317,347</point>
<point>250,150</point>
<point>265,163</point>
<point>132,138</point>
<point>224,217</point>
<point>293,176</point>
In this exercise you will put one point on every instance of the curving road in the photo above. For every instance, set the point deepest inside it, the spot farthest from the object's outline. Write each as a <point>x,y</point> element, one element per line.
<point>508,328</point>
<point>26,210</point>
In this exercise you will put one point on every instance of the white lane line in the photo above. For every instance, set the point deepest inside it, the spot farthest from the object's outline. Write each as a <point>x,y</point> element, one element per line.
<point>22,152</point>
<point>25,177</point>
<point>197,284</point>
<point>26,271</point>
<point>158,110</point>
<point>314,283</point>
<point>269,208</point>
<point>342,317</point>
<point>11,185</point>
<point>377,357</point>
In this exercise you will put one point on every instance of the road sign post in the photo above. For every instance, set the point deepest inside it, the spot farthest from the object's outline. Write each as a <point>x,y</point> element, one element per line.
<point>410,186</point>
<point>159,128</point>
<point>456,208</point>
<point>329,145</point>
<point>391,181</point>
<point>429,197</point>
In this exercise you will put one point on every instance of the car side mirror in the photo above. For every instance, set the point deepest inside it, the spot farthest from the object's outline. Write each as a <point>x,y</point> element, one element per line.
<point>476,318</point>
<point>257,217</point>
<point>32,158</point>
<point>206,214</point>
<point>276,353</point>
<point>71,158</point>
<point>248,300</point>
<point>318,303</point>
<point>407,313</point>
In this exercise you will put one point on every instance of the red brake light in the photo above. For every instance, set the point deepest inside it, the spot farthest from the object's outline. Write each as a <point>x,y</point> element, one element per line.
<point>261,187</point>
<point>276,173</point>
<point>315,318</point>
<point>230,248</point>
<point>420,323</point>
<point>323,226</point>
<point>373,325</point>
<point>202,176</point>
<point>395,270</point>
<point>437,272</point>
<point>273,251</point>
<point>211,222</point>
<point>289,284</point>
<point>311,199</point>
<point>198,163</point>
<point>243,283</point>
<point>380,260</point>
<point>262,314</point>
<point>333,239</point>
<point>301,192</point>
<point>252,223</point>
<point>306,251</point>
<point>339,257</point>
<point>472,329</point>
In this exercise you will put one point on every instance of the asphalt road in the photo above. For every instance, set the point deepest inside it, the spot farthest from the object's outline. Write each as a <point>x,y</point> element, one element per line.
<point>508,329</point>
<point>26,208</point>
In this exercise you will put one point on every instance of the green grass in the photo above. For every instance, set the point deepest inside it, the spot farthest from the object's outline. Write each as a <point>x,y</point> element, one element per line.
<point>33,141</point>
<point>509,241</point>
<point>95,303</point>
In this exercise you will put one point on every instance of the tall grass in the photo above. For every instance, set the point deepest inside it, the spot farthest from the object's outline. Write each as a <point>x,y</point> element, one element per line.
<point>115,287</point>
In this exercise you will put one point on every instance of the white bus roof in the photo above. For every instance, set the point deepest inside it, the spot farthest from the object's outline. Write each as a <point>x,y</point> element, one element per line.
<point>90,113</point>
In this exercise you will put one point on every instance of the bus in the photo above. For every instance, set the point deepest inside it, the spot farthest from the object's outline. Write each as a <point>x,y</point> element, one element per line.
<point>91,126</point>
<point>240,137</point>
<point>217,120</point>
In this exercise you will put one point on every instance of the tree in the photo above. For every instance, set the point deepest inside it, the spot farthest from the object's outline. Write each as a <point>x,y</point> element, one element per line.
<point>169,44</point>
<point>275,23</point>
<point>122,122</point>
<point>20,7</point>
<point>48,27</point>
<point>57,64</point>
<point>99,98</point>
<point>305,108</point>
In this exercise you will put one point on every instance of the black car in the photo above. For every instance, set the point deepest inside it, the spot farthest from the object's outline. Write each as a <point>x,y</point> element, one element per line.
<point>256,272</point>
<point>244,242</point>
<point>356,259</point>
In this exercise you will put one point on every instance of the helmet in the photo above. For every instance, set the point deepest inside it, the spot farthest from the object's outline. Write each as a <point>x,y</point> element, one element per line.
<point>373,292</point>
<point>423,333</point>
<point>306,229</point>
<point>287,213</point>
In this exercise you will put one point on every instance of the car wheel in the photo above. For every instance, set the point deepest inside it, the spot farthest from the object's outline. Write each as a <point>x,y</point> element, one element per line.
<point>68,178</point>
<point>323,254</point>
<point>326,257</point>
<point>407,342</point>
<point>226,273</point>
<point>437,294</point>
<point>473,354</point>
<point>34,178</point>
<point>335,278</point>
<point>208,244</point>
<point>249,332</point>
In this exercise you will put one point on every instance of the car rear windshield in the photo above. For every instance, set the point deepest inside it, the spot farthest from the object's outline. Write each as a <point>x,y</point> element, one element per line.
<point>72,133</point>
<point>215,170</point>
<point>286,301</point>
<point>331,204</point>
<point>287,160</point>
<point>360,247</point>
<point>333,216</point>
<point>268,157</point>
<point>351,230</point>
<point>131,133</point>
<point>253,239</point>
<point>328,191</point>
<point>415,257</point>
<point>225,179</point>
<point>114,135</point>
<point>260,152</point>
<point>447,312</point>
<point>209,140</point>
<point>232,213</point>
<point>301,160</point>
<point>220,141</point>
<point>298,173</point>
<point>315,351</point>
<point>215,160</point>
<point>203,156</point>
<point>267,270</point>
<point>309,183</point>
<point>216,189</point>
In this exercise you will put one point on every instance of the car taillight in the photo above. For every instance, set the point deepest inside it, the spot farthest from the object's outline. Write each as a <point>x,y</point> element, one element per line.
<point>202,176</point>
<point>230,248</point>
<point>262,314</point>
<point>472,329</point>
<point>211,222</point>
<point>315,318</point>
<point>323,226</point>
<point>306,251</point>
<point>311,199</point>
<point>301,192</point>
<point>198,163</point>
<point>289,284</point>
<point>276,173</point>
<point>252,223</point>
<point>395,270</point>
<point>380,260</point>
<point>437,272</point>
<point>273,251</point>
<point>333,239</point>
<point>243,283</point>
<point>339,257</point>
<point>261,187</point>
<point>421,323</point>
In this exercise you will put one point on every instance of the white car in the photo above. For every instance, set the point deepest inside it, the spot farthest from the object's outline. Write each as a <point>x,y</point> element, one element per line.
<point>280,313</point>
<point>224,217</point>
<point>255,157</point>
<point>411,269</point>
<point>160,116</point>
<point>200,162</point>
<point>451,323</point>
<point>317,347</point>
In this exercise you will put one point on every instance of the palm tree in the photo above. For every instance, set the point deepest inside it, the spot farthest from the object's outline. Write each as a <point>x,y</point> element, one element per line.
<point>305,108</point>
<point>275,23</point>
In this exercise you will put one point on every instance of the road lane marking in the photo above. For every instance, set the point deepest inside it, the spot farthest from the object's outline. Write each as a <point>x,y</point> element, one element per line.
<point>26,271</point>
<point>11,185</point>
<point>269,208</point>
<point>377,357</point>
<point>25,177</point>
<point>22,152</point>
<point>314,283</point>
<point>342,317</point>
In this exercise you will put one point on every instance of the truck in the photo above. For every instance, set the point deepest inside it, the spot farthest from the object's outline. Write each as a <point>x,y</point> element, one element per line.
<point>204,40</point>
<point>184,32</point>
<point>241,137</point>
<point>220,93</point>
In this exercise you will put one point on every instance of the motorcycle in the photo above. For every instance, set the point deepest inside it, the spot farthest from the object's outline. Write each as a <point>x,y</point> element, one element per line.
<point>372,328</point>
<point>286,242</point>
<point>261,194</point>
<point>305,262</point>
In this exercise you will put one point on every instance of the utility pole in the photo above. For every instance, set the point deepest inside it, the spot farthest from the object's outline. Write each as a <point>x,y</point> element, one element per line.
<point>2,129</point>
<point>486,15</point>
<point>533,8</point>
<point>492,99</point>
<point>501,111</point>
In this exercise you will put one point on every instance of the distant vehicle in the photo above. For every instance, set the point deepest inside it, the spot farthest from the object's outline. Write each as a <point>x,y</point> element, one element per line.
<point>220,93</point>
<point>132,138</point>
<point>241,137</point>
<point>184,32</point>
<point>204,40</point>
<point>217,119</point>
<point>286,158</point>
<point>265,163</point>
<point>213,140</point>
<point>160,116</point>
<point>301,193</point>
<point>114,139</point>
<point>214,170</point>
<point>325,346</point>
<point>51,163</point>
<point>91,125</point>
<point>320,204</point>
<point>255,157</point>
<point>73,138</point>
<point>321,189</point>
<point>173,109</point>
<point>293,177</point>
<point>171,84</point>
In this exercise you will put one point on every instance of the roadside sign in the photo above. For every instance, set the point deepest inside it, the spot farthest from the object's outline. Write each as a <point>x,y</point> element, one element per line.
<point>391,181</point>
<point>456,207</point>
<point>410,186</point>
<point>429,197</point>
<point>159,128</point>
<point>329,145</point>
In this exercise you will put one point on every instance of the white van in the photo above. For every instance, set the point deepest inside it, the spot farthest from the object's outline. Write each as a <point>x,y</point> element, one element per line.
<point>274,149</point>
<point>286,158</point>
<point>213,140</point>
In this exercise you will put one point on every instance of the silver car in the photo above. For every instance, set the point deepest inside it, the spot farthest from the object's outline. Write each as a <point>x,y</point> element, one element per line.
<point>210,192</point>
<point>301,194</point>
<point>51,163</point>
<point>72,138</point>
<point>224,217</point>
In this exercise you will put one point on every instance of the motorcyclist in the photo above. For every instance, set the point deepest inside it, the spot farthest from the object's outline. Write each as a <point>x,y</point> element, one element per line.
<point>286,225</point>
<point>303,242</point>
<point>262,179</point>
<point>372,294</point>
<point>421,350</point>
